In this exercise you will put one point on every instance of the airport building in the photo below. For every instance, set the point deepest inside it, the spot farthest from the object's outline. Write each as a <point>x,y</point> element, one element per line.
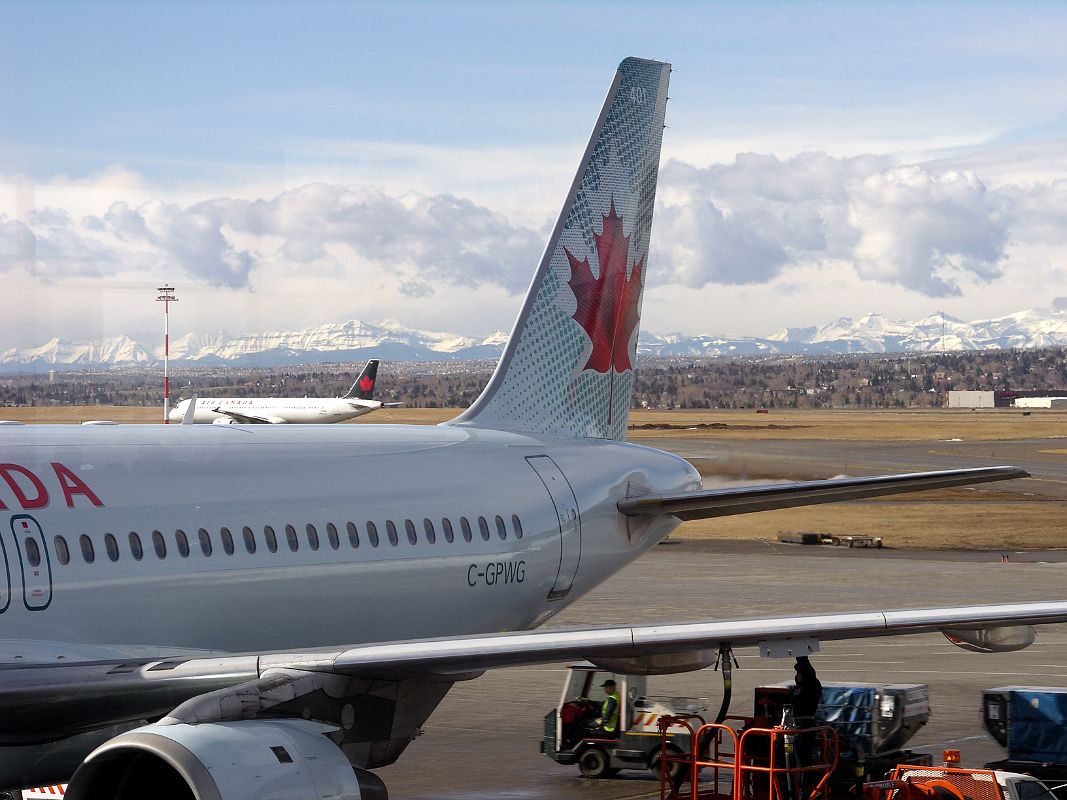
<point>1005,398</point>
<point>1041,402</point>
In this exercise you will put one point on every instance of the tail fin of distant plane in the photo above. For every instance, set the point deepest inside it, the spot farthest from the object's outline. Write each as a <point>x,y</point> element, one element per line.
<point>363,388</point>
<point>569,365</point>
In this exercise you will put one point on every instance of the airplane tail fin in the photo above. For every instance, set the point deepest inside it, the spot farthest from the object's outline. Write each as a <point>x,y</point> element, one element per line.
<point>568,367</point>
<point>363,388</point>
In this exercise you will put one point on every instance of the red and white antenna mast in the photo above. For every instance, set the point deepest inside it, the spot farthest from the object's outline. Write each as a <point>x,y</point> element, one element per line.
<point>166,297</point>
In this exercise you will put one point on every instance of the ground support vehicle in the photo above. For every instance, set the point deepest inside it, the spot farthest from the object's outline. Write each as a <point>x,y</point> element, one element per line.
<point>951,783</point>
<point>748,763</point>
<point>567,739</point>
<point>872,721</point>
<point>1030,722</point>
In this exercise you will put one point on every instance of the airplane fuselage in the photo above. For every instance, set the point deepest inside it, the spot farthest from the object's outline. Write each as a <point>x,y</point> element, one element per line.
<point>259,538</point>
<point>293,410</point>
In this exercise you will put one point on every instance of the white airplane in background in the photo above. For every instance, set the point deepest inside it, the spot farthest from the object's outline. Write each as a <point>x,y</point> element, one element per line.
<point>277,410</point>
<point>242,612</point>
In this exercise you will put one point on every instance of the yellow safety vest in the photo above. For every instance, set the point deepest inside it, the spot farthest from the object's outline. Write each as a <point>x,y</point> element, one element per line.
<point>610,721</point>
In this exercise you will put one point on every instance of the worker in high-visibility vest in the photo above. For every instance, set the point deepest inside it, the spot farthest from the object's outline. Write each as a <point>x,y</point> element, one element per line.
<point>608,721</point>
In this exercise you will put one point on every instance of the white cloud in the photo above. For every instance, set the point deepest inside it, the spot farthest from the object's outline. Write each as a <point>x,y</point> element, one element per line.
<point>751,220</point>
<point>222,242</point>
<point>877,234</point>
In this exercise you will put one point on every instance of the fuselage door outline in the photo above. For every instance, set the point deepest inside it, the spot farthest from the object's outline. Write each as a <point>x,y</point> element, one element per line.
<point>36,578</point>
<point>5,585</point>
<point>570,522</point>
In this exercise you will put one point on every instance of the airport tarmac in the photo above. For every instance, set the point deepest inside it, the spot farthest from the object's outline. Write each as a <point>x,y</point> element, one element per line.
<point>482,742</point>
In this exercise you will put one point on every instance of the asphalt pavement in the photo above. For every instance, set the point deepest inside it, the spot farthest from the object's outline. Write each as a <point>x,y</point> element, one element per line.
<point>482,742</point>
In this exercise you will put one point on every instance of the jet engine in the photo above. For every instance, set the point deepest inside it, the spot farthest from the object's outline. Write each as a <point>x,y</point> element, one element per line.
<point>281,759</point>
<point>224,421</point>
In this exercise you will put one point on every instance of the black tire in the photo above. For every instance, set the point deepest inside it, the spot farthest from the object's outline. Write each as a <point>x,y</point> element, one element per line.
<point>675,768</point>
<point>594,763</point>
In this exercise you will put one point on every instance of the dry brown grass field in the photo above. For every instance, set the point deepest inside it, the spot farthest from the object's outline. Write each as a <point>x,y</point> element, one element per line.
<point>825,424</point>
<point>983,518</point>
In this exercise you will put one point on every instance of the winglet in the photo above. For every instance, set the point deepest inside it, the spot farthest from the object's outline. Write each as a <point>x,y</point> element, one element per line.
<point>190,411</point>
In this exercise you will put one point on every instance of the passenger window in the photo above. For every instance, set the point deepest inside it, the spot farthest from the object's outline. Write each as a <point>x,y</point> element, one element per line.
<point>516,526</point>
<point>483,528</point>
<point>290,538</point>
<point>409,527</point>
<point>33,552</point>
<point>313,536</point>
<point>136,548</point>
<point>331,534</point>
<point>390,530</point>
<point>227,541</point>
<point>271,538</point>
<point>353,534</point>
<point>431,534</point>
<point>501,528</point>
<point>62,551</point>
<point>372,534</point>
<point>205,541</point>
<point>111,546</point>
<point>88,553</point>
<point>466,526</point>
<point>183,543</point>
<point>159,544</point>
<point>250,539</point>
<point>450,535</point>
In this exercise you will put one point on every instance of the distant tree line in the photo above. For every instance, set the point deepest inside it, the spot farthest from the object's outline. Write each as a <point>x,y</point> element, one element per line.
<point>845,381</point>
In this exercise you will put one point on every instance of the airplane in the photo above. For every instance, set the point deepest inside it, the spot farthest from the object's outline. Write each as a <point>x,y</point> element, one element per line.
<point>279,410</point>
<point>248,611</point>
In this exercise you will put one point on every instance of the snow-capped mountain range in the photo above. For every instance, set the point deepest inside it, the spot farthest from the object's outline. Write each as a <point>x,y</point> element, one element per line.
<point>390,341</point>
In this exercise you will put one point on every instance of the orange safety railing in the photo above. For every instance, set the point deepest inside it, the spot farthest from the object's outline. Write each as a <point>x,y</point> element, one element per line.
<point>760,763</point>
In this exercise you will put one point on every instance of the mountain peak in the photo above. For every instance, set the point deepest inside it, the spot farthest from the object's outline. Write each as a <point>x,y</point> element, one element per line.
<point>390,340</point>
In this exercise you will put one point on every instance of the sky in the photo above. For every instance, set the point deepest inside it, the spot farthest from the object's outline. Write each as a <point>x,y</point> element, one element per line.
<point>288,165</point>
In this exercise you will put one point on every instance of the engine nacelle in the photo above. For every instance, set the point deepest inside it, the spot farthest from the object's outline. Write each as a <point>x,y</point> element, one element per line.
<point>248,760</point>
<point>224,421</point>
<point>999,639</point>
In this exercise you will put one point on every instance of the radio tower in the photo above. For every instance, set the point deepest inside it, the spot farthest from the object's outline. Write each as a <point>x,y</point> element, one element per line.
<point>166,297</point>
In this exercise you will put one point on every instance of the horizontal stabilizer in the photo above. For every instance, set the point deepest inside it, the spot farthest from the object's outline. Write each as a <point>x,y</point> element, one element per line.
<point>748,499</point>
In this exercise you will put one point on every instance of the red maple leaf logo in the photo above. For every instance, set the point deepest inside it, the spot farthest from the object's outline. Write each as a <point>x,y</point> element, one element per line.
<point>607,306</point>
<point>365,383</point>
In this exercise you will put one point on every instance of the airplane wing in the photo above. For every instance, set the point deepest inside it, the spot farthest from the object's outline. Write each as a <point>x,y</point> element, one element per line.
<point>461,655</point>
<point>745,500</point>
<point>244,419</point>
<point>213,688</point>
<point>597,644</point>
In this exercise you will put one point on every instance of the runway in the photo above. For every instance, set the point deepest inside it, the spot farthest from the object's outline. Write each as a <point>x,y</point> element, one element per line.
<point>482,742</point>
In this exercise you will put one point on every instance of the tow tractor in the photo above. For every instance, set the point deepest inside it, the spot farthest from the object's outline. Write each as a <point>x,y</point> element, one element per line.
<point>567,739</point>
